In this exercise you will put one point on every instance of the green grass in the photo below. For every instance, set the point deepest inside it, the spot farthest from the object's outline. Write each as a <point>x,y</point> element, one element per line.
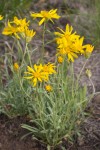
<point>12,7</point>
<point>97,23</point>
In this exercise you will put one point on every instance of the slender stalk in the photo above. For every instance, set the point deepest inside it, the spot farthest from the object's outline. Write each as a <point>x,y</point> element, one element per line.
<point>26,51</point>
<point>43,44</point>
<point>29,57</point>
<point>72,72</point>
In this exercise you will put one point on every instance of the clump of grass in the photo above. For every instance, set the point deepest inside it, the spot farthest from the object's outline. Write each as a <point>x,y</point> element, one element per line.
<point>97,23</point>
<point>13,7</point>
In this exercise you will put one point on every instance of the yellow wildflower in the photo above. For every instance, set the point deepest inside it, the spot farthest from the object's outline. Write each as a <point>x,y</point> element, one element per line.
<point>36,74</point>
<point>19,27</point>
<point>66,41</point>
<point>88,50</point>
<point>66,48</point>
<point>70,44</point>
<point>46,15</point>
<point>71,55</point>
<point>60,59</point>
<point>16,66</point>
<point>39,73</point>
<point>28,34</point>
<point>48,88</point>
<point>78,45</point>
<point>9,30</point>
<point>1,17</point>
<point>20,22</point>
<point>49,68</point>
<point>67,33</point>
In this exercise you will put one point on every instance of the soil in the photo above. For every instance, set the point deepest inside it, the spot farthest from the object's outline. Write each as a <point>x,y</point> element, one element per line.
<point>11,134</point>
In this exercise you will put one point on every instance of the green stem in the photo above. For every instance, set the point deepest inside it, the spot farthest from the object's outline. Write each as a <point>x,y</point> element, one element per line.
<point>73,80</point>
<point>29,57</point>
<point>26,51</point>
<point>43,44</point>
<point>20,50</point>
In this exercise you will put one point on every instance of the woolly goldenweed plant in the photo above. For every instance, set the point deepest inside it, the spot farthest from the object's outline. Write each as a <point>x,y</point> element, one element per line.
<point>13,100</point>
<point>56,101</point>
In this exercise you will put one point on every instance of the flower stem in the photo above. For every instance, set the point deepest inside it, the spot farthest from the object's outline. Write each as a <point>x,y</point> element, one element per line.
<point>43,44</point>
<point>26,52</point>
<point>29,57</point>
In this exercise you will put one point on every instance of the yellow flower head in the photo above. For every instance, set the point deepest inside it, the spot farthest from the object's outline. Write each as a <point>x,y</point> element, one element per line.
<point>60,59</point>
<point>19,28</point>
<point>68,33</point>
<point>28,34</point>
<point>21,22</point>
<point>36,74</point>
<point>48,88</point>
<point>16,66</point>
<point>1,17</point>
<point>66,48</point>
<point>88,50</point>
<point>66,41</point>
<point>9,30</point>
<point>39,73</point>
<point>70,44</point>
<point>46,15</point>
<point>78,45</point>
<point>49,68</point>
